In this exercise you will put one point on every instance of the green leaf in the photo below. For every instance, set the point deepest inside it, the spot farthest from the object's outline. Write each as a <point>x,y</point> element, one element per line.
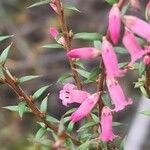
<point>106,99</point>
<point>51,119</point>
<point>123,64</point>
<point>64,77</point>
<point>70,111</point>
<point>94,74</point>
<point>66,119</point>
<point>121,50</point>
<point>43,106</point>
<point>79,63</point>
<point>26,78</point>
<point>39,92</point>
<point>87,125</point>
<point>141,68</point>
<point>55,46</point>
<point>97,44</point>
<point>15,108</point>
<point>69,7</point>
<point>70,126</point>
<point>2,38</point>
<point>40,133</point>
<point>21,108</point>
<point>1,74</point>
<point>111,2</point>
<point>83,73</point>
<point>44,2</point>
<point>70,144</point>
<point>88,36</point>
<point>116,124</point>
<point>84,146</point>
<point>141,82</point>
<point>146,112</point>
<point>95,117</point>
<point>125,9</point>
<point>144,91</point>
<point>4,55</point>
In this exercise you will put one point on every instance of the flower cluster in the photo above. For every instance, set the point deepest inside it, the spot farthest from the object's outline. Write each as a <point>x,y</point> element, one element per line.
<point>87,101</point>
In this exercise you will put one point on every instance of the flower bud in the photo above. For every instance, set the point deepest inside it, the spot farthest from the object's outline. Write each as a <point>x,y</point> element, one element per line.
<point>137,26</point>
<point>114,23</point>
<point>106,125</point>
<point>85,108</point>
<point>84,53</point>
<point>146,60</point>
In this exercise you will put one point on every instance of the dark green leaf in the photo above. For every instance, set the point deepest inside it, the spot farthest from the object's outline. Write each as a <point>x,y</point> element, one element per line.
<point>84,146</point>
<point>44,2</point>
<point>2,38</point>
<point>64,77</point>
<point>111,2</point>
<point>83,73</point>
<point>106,99</point>
<point>40,133</point>
<point>121,50</point>
<point>51,119</point>
<point>70,144</point>
<point>95,117</point>
<point>146,112</point>
<point>21,108</point>
<point>4,55</point>
<point>69,7</point>
<point>52,46</point>
<point>123,64</point>
<point>39,92</point>
<point>43,106</point>
<point>87,125</point>
<point>79,63</point>
<point>88,36</point>
<point>26,78</point>
<point>70,126</point>
<point>97,44</point>
<point>141,68</point>
<point>15,108</point>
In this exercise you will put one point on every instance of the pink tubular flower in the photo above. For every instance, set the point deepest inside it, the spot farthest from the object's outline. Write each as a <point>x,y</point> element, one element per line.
<point>106,125</point>
<point>117,95</point>
<point>84,53</point>
<point>146,60</point>
<point>70,94</point>
<point>137,26</point>
<point>85,108</point>
<point>110,60</point>
<point>133,46</point>
<point>54,33</point>
<point>114,23</point>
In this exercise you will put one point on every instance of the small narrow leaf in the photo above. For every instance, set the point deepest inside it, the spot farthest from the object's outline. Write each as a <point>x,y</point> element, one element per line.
<point>106,99</point>
<point>144,91</point>
<point>15,108</point>
<point>125,9</point>
<point>121,50</point>
<point>70,144</point>
<point>95,117</point>
<point>84,146</point>
<point>79,63</point>
<point>51,119</point>
<point>111,2</point>
<point>141,67</point>
<point>83,73</point>
<point>123,64</point>
<point>21,108</point>
<point>70,126</point>
<point>116,124</point>
<point>39,92</point>
<point>40,133</point>
<point>26,78</point>
<point>53,46</point>
<point>2,38</point>
<point>64,77</point>
<point>69,7</point>
<point>97,44</point>
<point>40,3</point>
<point>88,36</point>
<point>70,111</point>
<point>4,55</point>
<point>43,106</point>
<point>146,112</point>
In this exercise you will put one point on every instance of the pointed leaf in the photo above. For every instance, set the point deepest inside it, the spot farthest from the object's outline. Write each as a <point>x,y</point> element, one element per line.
<point>40,3</point>
<point>64,77</point>
<point>70,111</point>
<point>43,106</point>
<point>146,112</point>
<point>84,146</point>
<point>106,99</point>
<point>15,108</point>
<point>51,119</point>
<point>70,126</point>
<point>21,108</point>
<point>53,46</point>
<point>97,44</point>
<point>95,117</point>
<point>4,55</point>
<point>79,63</point>
<point>121,50</point>
<point>83,73</point>
<point>40,133</point>
<point>141,68</point>
<point>26,78</point>
<point>88,36</point>
<point>111,2</point>
<point>69,7</point>
<point>39,92</point>
<point>2,38</point>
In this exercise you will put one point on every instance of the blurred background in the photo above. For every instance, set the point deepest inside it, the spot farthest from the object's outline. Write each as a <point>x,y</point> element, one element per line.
<point>30,28</point>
